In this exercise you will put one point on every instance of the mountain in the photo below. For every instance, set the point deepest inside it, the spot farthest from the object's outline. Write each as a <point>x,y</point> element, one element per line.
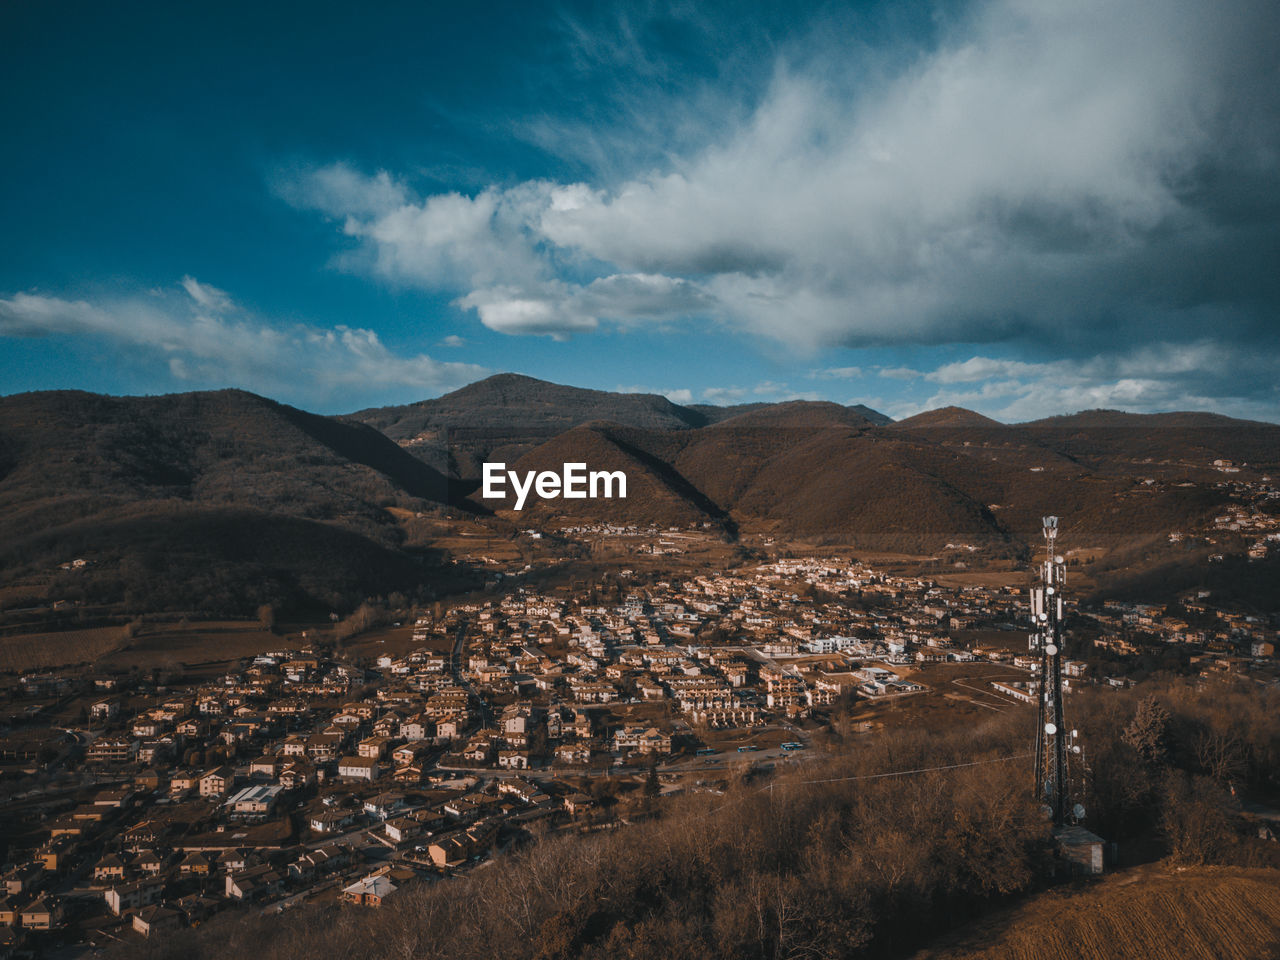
<point>503,416</point>
<point>218,501</point>
<point>223,492</point>
<point>1184,437</point>
<point>715,414</point>
<point>507,415</point>
<point>822,471</point>
<point>947,417</point>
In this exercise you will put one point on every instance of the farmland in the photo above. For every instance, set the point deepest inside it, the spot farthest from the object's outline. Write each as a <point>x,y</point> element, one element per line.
<point>41,651</point>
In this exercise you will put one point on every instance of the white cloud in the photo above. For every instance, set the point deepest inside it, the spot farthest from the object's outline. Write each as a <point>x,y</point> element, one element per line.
<point>339,191</point>
<point>1197,376</point>
<point>306,363</point>
<point>453,340</point>
<point>724,395</point>
<point>207,296</point>
<point>679,396</point>
<point>836,373</point>
<point>558,309</point>
<point>1044,166</point>
<point>899,373</point>
<point>773,391</point>
<point>769,388</point>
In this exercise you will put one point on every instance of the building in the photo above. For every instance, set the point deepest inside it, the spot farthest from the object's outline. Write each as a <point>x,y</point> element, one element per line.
<point>217,782</point>
<point>1080,848</point>
<point>255,801</point>
<point>369,892</point>
<point>359,768</point>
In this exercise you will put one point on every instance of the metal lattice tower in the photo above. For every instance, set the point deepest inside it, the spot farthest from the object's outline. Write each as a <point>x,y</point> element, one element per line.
<point>1054,743</point>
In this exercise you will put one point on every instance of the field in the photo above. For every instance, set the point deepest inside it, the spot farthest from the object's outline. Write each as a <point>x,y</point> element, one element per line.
<point>956,694</point>
<point>1146,914</point>
<point>41,651</point>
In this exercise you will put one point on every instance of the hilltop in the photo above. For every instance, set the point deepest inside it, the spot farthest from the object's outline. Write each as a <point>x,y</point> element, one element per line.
<point>222,498</point>
<point>505,416</point>
<point>948,417</point>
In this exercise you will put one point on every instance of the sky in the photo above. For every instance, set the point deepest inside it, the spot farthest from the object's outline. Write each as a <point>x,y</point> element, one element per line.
<point>1021,207</point>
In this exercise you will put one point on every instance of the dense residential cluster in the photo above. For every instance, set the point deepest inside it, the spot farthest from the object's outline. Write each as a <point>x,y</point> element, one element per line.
<point>347,771</point>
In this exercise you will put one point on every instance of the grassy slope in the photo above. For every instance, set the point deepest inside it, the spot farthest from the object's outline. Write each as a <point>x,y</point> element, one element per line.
<point>1149,914</point>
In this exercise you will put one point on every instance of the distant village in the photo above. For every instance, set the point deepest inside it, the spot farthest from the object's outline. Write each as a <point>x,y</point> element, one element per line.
<point>321,770</point>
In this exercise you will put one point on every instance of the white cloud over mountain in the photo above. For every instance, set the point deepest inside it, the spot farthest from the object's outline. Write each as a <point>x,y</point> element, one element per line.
<point>206,340</point>
<point>1096,172</point>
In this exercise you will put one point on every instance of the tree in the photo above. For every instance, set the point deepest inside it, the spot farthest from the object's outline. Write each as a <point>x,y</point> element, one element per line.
<point>1196,820</point>
<point>652,786</point>
<point>1148,732</point>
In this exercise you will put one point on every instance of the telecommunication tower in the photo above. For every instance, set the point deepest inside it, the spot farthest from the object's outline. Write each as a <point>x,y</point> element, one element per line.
<point>1054,743</point>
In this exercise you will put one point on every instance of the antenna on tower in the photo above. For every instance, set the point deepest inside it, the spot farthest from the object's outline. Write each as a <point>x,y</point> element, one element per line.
<point>1054,742</point>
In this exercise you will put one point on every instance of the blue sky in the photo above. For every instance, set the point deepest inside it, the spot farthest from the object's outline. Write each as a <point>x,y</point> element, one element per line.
<point>1018,206</point>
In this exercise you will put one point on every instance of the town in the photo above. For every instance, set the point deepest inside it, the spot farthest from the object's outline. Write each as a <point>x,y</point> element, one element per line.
<point>347,767</point>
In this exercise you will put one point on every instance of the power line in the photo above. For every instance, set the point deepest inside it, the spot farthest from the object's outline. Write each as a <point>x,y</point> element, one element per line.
<point>908,773</point>
<point>866,776</point>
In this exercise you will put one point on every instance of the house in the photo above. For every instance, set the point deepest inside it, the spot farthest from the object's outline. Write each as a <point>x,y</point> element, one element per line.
<point>22,879</point>
<point>408,753</point>
<point>409,773</point>
<point>112,750</point>
<point>149,862</point>
<point>217,781</point>
<point>233,861</point>
<point>41,914</point>
<point>461,846</point>
<point>321,860</point>
<point>267,766</point>
<point>641,740</point>
<point>331,821</point>
<point>130,896</point>
<point>513,760</point>
<point>448,728</point>
<point>195,864</point>
<point>384,805</point>
<point>183,782</point>
<point>298,774</point>
<point>358,768</point>
<point>252,884</point>
<point>324,746</point>
<point>417,728</point>
<point>576,752</point>
<point>110,867</point>
<point>369,892</point>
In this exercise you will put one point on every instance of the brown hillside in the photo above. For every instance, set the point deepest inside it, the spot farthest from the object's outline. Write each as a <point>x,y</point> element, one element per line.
<point>216,501</point>
<point>795,414</point>
<point>1196,914</point>
<point>656,492</point>
<point>946,417</point>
